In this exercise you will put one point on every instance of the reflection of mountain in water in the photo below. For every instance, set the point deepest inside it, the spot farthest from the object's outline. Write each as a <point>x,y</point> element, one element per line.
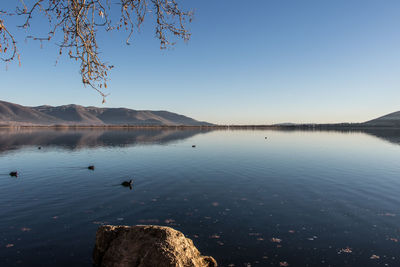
<point>74,139</point>
<point>13,139</point>
<point>391,135</point>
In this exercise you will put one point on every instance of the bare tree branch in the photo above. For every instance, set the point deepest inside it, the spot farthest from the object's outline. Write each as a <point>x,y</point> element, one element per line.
<point>80,20</point>
<point>8,45</point>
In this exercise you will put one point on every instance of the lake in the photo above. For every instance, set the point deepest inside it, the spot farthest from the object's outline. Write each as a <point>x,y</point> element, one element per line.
<point>301,198</point>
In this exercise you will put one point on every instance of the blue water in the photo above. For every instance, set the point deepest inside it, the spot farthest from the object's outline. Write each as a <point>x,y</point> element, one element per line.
<point>302,198</point>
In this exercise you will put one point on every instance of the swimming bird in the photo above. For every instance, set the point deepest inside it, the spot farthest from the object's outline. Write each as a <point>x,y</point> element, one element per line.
<point>91,167</point>
<point>126,183</point>
<point>14,174</point>
<point>193,145</point>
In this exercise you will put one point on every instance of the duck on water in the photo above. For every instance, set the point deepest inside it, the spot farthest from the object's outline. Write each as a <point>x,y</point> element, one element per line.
<point>127,184</point>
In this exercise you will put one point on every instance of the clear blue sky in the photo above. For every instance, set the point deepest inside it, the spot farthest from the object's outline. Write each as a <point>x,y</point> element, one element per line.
<point>261,61</point>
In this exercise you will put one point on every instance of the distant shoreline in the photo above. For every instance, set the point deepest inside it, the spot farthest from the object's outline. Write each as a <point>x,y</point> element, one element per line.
<point>340,126</point>
<point>79,117</point>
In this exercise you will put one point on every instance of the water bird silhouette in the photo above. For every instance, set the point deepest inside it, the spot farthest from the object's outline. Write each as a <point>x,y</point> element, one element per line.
<point>127,184</point>
<point>91,167</point>
<point>193,145</point>
<point>14,174</point>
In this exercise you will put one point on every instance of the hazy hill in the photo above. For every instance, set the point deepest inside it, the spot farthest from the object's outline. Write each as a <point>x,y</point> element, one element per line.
<point>389,120</point>
<point>14,114</point>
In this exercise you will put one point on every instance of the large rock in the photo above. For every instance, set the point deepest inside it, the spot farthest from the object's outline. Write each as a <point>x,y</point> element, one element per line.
<point>146,245</point>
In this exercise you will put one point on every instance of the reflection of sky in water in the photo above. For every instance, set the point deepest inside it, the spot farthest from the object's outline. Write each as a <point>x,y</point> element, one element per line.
<point>316,193</point>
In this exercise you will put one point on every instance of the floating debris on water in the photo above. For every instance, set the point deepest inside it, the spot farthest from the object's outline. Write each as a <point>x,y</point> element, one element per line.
<point>101,223</point>
<point>388,214</point>
<point>276,240</point>
<point>283,264</point>
<point>25,229</point>
<point>374,257</point>
<point>254,234</point>
<point>169,221</point>
<point>345,250</point>
<point>9,245</point>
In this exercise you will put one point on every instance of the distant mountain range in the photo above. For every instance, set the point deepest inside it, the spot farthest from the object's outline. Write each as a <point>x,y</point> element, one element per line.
<point>68,115</point>
<point>14,114</point>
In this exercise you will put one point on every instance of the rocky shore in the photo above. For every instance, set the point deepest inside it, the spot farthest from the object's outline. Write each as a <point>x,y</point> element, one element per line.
<point>146,245</point>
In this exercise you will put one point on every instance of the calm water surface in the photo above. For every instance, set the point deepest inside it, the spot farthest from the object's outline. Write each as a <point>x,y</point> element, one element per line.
<point>301,197</point>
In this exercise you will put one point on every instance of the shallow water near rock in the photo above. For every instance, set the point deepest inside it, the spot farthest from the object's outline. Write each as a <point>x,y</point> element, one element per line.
<point>297,198</point>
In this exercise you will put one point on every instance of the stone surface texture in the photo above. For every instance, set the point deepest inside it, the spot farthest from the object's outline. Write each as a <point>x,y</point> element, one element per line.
<point>145,246</point>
